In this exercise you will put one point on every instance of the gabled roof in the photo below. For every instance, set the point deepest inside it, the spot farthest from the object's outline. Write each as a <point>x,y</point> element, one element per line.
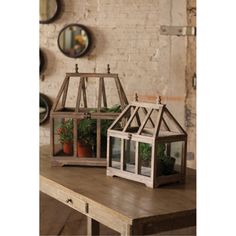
<point>153,121</point>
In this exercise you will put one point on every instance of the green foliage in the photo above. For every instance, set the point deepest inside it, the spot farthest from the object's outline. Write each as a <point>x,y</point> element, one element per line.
<point>166,163</point>
<point>65,131</point>
<point>145,151</point>
<point>87,128</point>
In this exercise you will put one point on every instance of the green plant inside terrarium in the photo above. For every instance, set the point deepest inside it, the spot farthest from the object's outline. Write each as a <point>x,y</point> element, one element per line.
<point>87,128</point>
<point>65,131</point>
<point>165,162</point>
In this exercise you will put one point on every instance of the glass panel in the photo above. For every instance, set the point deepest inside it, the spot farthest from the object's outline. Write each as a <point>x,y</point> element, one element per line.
<point>177,153</point>
<point>169,157</point>
<point>115,152</point>
<point>129,155</point>
<point>105,124</point>
<point>63,137</point>
<point>145,154</point>
<point>86,138</point>
<point>113,96</point>
<point>72,91</point>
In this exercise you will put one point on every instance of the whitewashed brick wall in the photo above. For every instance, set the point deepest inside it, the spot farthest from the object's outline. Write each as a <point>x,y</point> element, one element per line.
<point>125,35</point>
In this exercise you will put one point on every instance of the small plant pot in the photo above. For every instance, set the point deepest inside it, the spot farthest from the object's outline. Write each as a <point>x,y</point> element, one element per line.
<point>166,166</point>
<point>68,148</point>
<point>83,150</point>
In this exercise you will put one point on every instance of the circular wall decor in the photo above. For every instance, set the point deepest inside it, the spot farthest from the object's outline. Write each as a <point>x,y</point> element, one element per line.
<point>74,40</point>
<point>44,108</point>
<point>41,61</point>
<point>49,10</point>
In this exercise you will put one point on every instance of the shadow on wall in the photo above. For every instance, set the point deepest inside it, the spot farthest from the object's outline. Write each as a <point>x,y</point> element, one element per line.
<point>98,44</point>
<point>49,67</point>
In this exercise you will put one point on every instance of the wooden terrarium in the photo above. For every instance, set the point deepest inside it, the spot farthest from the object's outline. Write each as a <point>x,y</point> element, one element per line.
<point>81,115</point>
<point>147,144</point>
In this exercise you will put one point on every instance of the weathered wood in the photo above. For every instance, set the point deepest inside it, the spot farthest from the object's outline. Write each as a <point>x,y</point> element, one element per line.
<point>145,121</point>
<point>130,119</point>
<point>122,156</point>
<point>60,93</point>
<point>85,161</point>
<point>92,227</point>
<point>135,137</point>
<point>65,93</point>
<point>137,159</point>
<point>152,136</point>
<point>150,119</point>
<point>75,145</point>
<point>184,161</point>
<point>78,112</point>
<point>99,95</point>
<point>146,105</point>
<point>158,122</point>
<point>98,153</point>
<point>119,117</point>
<point>113,201</point>
<point>104,93</point>
<point>84,92</point>
<point>122,92</point>
<point>97,75</point>
<point>79,95</point>
<point>165,124</point>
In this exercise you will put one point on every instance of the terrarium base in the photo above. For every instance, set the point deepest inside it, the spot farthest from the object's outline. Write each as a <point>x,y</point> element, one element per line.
<point>75,161</point>
<point>160,180</point>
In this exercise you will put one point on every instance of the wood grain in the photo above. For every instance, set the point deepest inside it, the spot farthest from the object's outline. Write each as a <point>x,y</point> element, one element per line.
<point>126,201</point>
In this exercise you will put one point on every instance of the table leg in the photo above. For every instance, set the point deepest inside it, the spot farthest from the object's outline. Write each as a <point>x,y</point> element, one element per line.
<point>92,227</point>
<point>129,230</point>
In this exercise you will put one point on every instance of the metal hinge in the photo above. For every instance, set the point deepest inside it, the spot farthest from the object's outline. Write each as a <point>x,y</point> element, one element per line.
<point>87,115</point>
<point>178,30</point>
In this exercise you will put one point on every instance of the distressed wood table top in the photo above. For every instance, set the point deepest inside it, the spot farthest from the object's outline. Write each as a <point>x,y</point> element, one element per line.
<point>130,201</point>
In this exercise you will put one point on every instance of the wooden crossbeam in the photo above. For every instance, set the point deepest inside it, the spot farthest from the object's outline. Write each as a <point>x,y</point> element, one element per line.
<point>145,121</point>
<point>175,121</point>
<point>84,92</point>
<point>104,93</point>
<point>130,119</point>
<point>65,94</point>
<point>60,93</point>
<point>79,95</point>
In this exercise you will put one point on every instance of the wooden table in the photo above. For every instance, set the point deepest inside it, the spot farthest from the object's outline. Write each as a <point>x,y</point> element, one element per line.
<point>125,206</point>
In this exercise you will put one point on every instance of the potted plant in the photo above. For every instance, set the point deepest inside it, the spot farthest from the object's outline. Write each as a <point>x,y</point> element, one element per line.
<point>165,163</point>
<point>65,132</point>
<point>86,138</point>
<point>145,150</point>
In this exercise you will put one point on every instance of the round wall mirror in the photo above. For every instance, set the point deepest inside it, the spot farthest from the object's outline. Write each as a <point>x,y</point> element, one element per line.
<point>74,40</point>
<point>44,108</point>
<point>41,61</point>
<point>48,10</point>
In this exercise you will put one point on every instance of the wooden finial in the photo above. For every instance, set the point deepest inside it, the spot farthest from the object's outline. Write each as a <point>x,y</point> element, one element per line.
<point>135,97</point>
<point>76,68</point>
<point>108,68</point>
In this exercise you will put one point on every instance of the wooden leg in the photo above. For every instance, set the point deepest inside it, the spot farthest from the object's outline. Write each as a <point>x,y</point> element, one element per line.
<point>129,230</point>
<point>92,227</point>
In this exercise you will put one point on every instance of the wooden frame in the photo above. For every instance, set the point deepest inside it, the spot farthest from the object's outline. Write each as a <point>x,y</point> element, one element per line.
<point>88,36</point>
<point>163,131</point>
<point>81,111</point>
<point>55,15</point>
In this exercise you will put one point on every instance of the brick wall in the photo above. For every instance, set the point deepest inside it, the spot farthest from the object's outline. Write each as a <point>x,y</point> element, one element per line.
<point>126,35</point>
